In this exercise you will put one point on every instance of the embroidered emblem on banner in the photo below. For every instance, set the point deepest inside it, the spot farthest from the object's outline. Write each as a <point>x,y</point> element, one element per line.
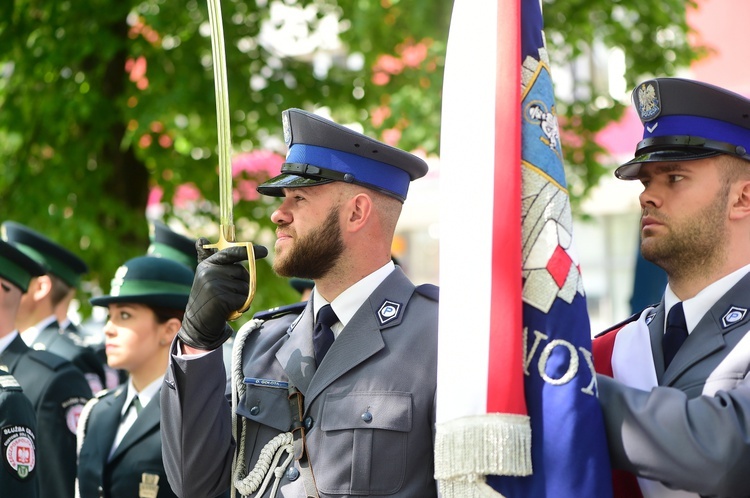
<point>550,264</point>
<point>732,316</point>
<point>388,312</point>
<point>19,451</point>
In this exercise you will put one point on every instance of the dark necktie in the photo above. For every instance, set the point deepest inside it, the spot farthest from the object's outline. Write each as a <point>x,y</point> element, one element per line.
<point>323,335</point>
<point>136,405</point>
<point>675,333</point>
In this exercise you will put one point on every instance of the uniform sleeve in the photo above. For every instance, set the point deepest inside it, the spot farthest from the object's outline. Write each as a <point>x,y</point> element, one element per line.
<point>197,443</point>
<point>62,403</point>
<point>700,444</point>
<point>18,476</point>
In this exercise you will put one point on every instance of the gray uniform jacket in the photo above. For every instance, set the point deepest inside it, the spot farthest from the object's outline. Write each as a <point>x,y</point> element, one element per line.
<point>693,431</point>
<point>369,407</point>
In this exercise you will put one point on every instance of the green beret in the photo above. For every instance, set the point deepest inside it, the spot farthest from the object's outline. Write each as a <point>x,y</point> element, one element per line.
<point>151,281</point>
<point>16,267</point>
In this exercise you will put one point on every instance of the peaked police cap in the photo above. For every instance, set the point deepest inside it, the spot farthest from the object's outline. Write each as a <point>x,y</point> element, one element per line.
<point>685,120</point>
<point>321,151</point>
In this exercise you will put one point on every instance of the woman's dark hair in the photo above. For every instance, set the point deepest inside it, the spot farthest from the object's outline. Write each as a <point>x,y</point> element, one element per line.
<point>164,314</point>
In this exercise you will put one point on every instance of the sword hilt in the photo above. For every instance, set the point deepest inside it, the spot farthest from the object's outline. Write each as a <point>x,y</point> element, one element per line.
<point>226,239</point>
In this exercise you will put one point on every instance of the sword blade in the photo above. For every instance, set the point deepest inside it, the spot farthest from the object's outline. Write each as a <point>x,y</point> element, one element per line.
<point>222,119</point>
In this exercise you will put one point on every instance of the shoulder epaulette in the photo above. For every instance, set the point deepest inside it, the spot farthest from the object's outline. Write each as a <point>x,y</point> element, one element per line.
<point>50,360</point>
<point>9,383</point>
<point>280,311</point>
<point>621,324</point>
<point>429,291</point>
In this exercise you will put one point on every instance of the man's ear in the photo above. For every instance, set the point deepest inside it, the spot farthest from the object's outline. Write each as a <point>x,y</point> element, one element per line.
<point>740,207</point>
<point>40,287</point>
<point>359,211</point>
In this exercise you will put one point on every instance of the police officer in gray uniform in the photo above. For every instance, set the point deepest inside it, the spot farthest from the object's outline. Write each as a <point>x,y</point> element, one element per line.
<point>341,407</point>
<point>57,390</point>
<point>37,320</point>
<point>674,382</point>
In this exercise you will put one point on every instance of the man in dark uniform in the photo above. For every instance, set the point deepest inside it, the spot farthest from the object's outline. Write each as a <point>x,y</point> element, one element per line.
<point>674,384</point>
<point>37,320</point>
<point>344,407</point>
<point>17,439</point>
<point>57,390</point>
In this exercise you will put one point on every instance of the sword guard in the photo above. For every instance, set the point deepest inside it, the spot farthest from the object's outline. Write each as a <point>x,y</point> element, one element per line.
<point>226,239</point>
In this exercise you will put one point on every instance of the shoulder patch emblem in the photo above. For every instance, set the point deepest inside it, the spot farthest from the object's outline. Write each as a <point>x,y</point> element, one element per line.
<point>72,408</point>
<point>732,316</point>
<point>388,311</point>
<point>19,451</point>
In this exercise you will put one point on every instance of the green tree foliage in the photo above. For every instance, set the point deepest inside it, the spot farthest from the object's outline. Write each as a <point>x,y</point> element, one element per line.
<point>102,102</point>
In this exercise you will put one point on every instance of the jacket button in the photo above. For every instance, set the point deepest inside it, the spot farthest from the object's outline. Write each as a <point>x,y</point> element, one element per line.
<point>254,410</point>
<point>308,423</point>
<point>367,417</point>
<point>292,473</point>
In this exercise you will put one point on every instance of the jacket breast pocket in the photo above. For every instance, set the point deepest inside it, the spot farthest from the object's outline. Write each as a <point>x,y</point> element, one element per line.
<point>368,433</point>
<point>266,406</point>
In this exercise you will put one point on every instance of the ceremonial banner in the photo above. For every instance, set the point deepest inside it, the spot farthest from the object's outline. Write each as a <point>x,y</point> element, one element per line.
<point>516,387</point>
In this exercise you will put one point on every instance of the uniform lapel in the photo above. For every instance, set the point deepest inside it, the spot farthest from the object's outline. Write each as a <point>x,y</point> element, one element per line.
<point>103,428</point>
<point>362,337</point>
<point>296,355</point>
<point>708,335</point>
<point>147,421</point>
<point>656,332</point>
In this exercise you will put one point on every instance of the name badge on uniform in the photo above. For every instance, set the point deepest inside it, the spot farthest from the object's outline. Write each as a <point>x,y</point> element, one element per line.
<point>277,384</point>
<point>149,487</point>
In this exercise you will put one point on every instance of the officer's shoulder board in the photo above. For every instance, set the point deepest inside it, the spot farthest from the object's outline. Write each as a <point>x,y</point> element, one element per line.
<point>9,383</point>
<point>280,311</point>
<point>49,360</point>
<point>430,291</point>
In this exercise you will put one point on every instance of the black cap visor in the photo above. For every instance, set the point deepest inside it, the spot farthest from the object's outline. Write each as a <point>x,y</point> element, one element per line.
<point>276,185</point>
<point>630,170</point>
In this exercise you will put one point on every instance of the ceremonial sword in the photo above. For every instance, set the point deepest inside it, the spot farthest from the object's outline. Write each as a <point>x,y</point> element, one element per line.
<point>226,219</point>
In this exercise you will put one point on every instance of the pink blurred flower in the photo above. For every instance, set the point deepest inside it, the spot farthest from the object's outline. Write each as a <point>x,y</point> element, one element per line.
<point>258,164</point>
<point>154,196</point>
<point>145,141</point>
<point>413,55</point>
<point>136,68</point>
<point>380,79</point>
<point>184,194</point>
<point>389,64</point>
<point>165,141</point>
<point>379,115</point>
<point>246,191</point>
<point>391,136</point>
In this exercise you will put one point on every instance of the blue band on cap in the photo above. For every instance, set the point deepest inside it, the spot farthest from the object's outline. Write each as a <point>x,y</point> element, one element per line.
<point>365,171</point>
<point>711,129</point>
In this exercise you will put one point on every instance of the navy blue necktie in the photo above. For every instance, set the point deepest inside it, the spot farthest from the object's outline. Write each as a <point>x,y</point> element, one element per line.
<point>675,333</point>
<point>323,335</point>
